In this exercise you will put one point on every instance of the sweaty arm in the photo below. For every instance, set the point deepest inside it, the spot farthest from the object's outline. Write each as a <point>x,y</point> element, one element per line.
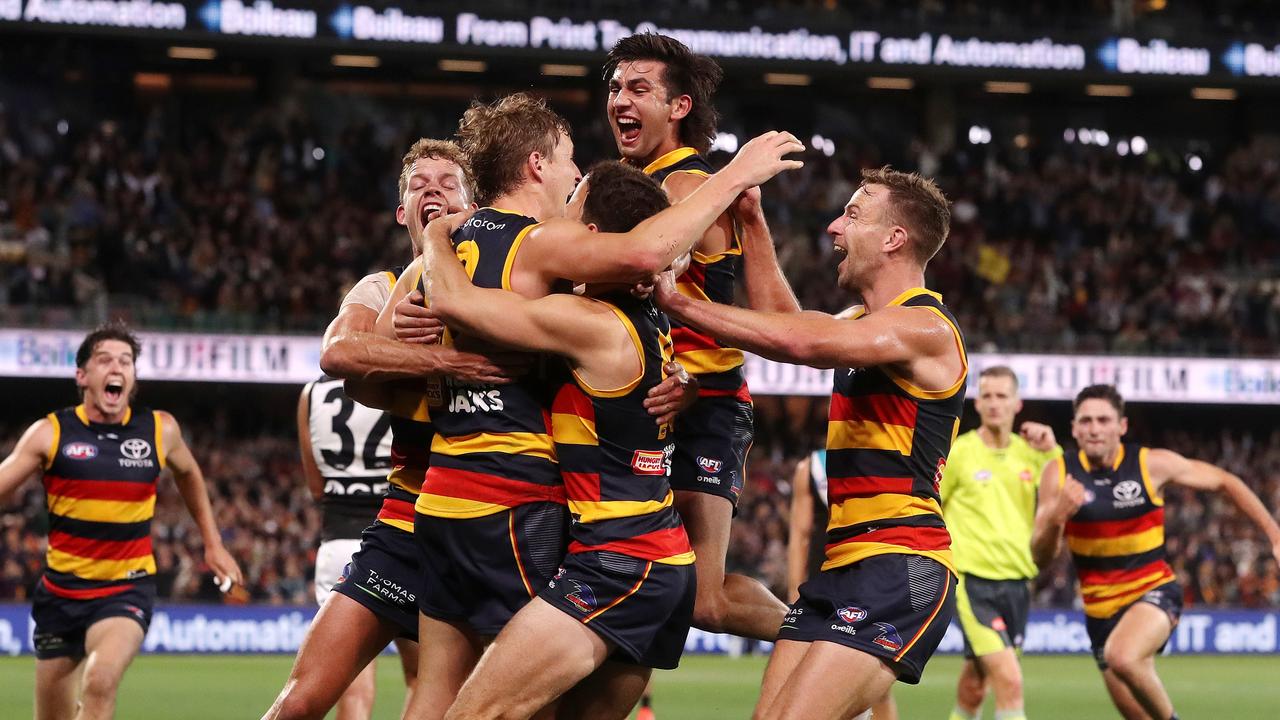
<point>572,326</point>
<point>801,527</point>
<point>310,471</point>
<point>649,248</point>
<point>29,456</point>
<point>891,335</point>
<point>1166,466</point>
<point>190,482</point>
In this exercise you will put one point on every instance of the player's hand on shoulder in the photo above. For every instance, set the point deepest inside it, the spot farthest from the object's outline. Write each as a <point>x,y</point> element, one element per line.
<point>764,156</point>
<point>1070,498</point>
<point>664,289</point>
<point>1038,435</point>
<point>414,323</point>
<point>673,395</point>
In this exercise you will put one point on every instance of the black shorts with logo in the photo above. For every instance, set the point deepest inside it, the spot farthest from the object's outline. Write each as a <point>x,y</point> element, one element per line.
<point>61,623</point>
<point>712,440</point>
<point>1167,597</point>
<point>643,607</point>
<point>481,571</point>
<point>385,576</point>
<point>895,607</point>
<point>992,614</point>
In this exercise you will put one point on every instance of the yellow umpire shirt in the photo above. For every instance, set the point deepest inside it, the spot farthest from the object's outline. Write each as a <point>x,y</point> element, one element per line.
<point>989,502</point>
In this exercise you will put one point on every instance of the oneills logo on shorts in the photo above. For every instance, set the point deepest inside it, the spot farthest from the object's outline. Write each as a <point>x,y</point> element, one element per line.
<point>649,462</point>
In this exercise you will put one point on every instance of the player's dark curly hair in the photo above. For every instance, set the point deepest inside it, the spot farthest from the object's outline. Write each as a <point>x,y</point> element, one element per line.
<point>114,330</point>
<point>686,73</point>
<point>499,137</point>
<point>619,197</point>
<point>1100,392</point>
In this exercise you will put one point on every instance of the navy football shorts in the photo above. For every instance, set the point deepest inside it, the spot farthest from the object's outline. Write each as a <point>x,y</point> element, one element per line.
<point>385,576</point>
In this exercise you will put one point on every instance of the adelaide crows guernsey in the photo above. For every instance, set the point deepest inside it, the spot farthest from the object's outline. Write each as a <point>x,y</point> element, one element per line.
<point>1117,536</point>
<point>615,459</point>
<point>887,445</point>
<point>100,485</point>
<point>351,446</point>
<point>709,277</point>
<point>493,448</point>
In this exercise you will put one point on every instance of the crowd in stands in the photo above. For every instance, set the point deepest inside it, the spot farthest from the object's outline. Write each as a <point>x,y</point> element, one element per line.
<point>257,220</point>
<point>271,525</point>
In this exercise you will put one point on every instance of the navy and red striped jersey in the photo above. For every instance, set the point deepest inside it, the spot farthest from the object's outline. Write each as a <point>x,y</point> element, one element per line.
<point>615,459</point>
<point>1117,536</point>
<point>492,449</point>
<point>709,278</point>
<point>887,443</point>
<point>100,485</point>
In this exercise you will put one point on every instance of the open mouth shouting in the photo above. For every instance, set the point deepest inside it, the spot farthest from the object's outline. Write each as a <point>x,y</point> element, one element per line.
<point>432,208</point>
<point>114,390</point>
<point>628,131</point>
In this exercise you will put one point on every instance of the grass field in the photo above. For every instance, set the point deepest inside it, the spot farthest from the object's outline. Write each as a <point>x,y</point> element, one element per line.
<point>1057,688</point>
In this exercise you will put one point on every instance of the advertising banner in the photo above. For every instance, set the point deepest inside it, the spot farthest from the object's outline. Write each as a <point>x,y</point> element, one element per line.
<point>258,629</point>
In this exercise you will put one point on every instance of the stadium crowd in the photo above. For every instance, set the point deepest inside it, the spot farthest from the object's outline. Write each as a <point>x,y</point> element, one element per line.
<point>272,526</point>
<point>258,221</point>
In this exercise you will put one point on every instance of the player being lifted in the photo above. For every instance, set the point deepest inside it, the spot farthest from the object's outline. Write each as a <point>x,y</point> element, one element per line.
<point>359,619</point>
<point>101,460</point>
<point>1108,499</point>
<point>884,597</point>
<point>989,500</point>
<point>490,519</point>
<point>663,121</point>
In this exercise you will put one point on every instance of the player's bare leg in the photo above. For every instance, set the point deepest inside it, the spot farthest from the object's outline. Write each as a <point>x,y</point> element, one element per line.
<point>536,658</point>
<point>806,691</point>
<point>109,646</point>
<point>1122,697</point>
<point>344,638</point>
<point>971,689</point>
<point>408,650</point>
<point>57,680</point>
<point>1130,654</point>
<point>734,604</point>
<point>356,702</point>
<point>1001,669</point>
<point>450,651</point>
<point>886,708</point>
<point>609,693</point>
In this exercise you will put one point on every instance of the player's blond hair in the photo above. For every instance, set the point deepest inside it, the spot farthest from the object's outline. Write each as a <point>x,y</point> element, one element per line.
<point>446,150</point>
<point>916,203</point>
<point>499,137</point>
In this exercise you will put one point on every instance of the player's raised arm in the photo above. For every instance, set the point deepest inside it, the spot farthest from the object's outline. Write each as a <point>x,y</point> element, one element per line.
<point>1059,497</point>
<point>310,472</point>
<point>28,457</point>
<point>767,286</point>
<point>190,481</point>
<point>655,243</point>
<point>1168,466</point>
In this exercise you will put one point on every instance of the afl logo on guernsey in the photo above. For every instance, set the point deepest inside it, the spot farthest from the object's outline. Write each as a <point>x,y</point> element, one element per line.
<point>80,451</point>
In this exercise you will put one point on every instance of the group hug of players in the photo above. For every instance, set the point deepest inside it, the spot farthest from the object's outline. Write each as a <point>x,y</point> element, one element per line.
<point>558,392</point>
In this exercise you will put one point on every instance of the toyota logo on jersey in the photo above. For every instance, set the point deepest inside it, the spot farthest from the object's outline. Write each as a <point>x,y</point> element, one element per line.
<point>135,449</point>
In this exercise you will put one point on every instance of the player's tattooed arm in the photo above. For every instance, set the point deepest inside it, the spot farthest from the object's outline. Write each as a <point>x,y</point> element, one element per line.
<point>1167,466</point>
<point>190,483</point>
<point>1060,496</point>
<point>29,456</point>
<point>651,246</point>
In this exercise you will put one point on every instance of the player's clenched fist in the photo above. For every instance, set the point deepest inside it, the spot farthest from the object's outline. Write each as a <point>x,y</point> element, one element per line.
<point>1070,497</point>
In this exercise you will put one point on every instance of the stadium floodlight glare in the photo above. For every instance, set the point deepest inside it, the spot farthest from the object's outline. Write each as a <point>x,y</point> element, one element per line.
<point>1207,93</point>
<point>152,81</point>
<point>727,142</point>
<point>1069,135</point>
<point>890,83</point>
<point>317,154</point>
<point>1108,90</point>
<point>1006,87</point>
<point>1194,162</point>
<point>1122,148</point>
<point>178,52</point>
<point>356,61</point>
<point>1101,137</point>
<point>1138,144</point>
<point>564,70</point>
<point>797,79</point>
<point>469,66</point>
<point>979,135</point>
<point>63,127</point>
<point>1085,135</point>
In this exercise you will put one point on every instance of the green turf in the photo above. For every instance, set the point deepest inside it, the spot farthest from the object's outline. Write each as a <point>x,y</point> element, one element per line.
<point>1058,688</point>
